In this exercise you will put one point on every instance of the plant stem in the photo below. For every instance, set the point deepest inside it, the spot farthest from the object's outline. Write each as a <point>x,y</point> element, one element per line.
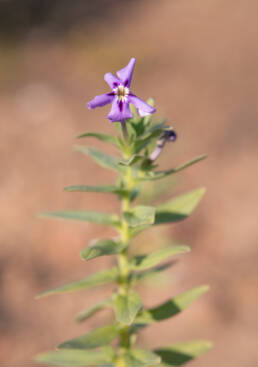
<point>123,261</point>
<point>124,130</point>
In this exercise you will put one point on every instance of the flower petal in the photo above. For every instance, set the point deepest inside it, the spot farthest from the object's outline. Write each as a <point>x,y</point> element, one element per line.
<point>126,73</point>
<point>101,100</point>
<point>112,80</point>
<point>144,108</point>
<point>120,111</point>
<point>142,113</point>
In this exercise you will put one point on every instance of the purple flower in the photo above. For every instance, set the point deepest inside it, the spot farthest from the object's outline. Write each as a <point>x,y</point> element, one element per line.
<point>121,96</point>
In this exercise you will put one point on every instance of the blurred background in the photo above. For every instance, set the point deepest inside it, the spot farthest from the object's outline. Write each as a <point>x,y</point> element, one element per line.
<point>198,59</point>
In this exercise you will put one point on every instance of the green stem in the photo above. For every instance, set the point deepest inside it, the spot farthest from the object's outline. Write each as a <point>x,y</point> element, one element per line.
<point>123,261</point>
<point>124,130</point>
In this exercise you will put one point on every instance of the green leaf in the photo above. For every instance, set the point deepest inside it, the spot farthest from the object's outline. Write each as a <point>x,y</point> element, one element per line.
<point>103,137</point>
<point>126,306</point>
<point>143,262</point>
<point>161,174</point>
<point>85,216</point>
<point>172,307</point>
<point>96,279</point>
<point>148,138</point>
<point>181,353</point>
<point>140,358</point>
<point>140,215</point>
<point>179,208</point>
<point>85,188</point>
<point>96,338</point>
<point>147,119</point>
<point>78,358</point>
<point>102,247</point>
<point>101,158</point>
<point>100,188</point>
<point>138,277</point>
<point>134,159</point>
<point>84,315</point>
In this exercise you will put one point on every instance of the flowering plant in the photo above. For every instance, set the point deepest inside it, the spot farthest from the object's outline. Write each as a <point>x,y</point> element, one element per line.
<point>140,143</point>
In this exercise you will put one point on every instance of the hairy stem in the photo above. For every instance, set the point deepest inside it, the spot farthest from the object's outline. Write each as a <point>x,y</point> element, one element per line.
<point>124,130</point>
<point>123,261</point>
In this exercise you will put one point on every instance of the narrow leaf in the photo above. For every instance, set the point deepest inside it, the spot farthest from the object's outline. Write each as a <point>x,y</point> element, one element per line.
<point>181,353</point>
<point>78,358</point>
<point>140,358</point>
<point>147,139</point>
<point>179,208</point>
<point>126,306</point>
<point>96,338</point>
<point>103,137</point>
<point>134,159</point>
<point>84,315</point>
<point>102,247</point>
<point>85,216</point>
<point>140,216</point>
<point>96,279</point>
<point>172,307</point>
<point>138,277</point>
<point>101,158</point>
<point>161,174</point>
<point>143,262</point>
<point>86,188</point>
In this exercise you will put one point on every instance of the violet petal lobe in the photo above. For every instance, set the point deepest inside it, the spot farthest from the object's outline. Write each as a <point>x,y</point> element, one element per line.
<point>112,80</point>
<point>144,108</point>
<point>126,74</point>
<point>120,111</point>
<point>101,100</point>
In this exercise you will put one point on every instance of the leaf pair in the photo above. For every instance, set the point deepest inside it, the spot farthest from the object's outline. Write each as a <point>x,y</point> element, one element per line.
<point>104,356</point>
<point>172,356</point>
<point>127,307</point>
<point>174,210</point>
<point>114,163</point>
<point>138,263</point>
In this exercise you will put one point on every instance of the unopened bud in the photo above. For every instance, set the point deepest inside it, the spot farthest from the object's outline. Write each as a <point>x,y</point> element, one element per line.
<point>169,134</point>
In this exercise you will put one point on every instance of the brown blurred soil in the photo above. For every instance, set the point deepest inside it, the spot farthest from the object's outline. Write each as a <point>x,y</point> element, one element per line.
<point>198,59</point>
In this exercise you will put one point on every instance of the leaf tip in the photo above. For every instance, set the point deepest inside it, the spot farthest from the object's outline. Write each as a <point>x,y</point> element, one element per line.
<point>204,288</point>
<point>39,296</point>
<point>206,345</point>
<point>64,345</point>
<point>186,248</point>
<point>67,188</point>
<point>80,136</point>
<point>43,214</point>
<point>202,190</point>
<point>80,148</point>
<point>83,256</point>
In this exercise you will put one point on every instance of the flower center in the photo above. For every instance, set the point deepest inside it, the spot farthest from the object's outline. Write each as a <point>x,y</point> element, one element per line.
<point>121,93</point>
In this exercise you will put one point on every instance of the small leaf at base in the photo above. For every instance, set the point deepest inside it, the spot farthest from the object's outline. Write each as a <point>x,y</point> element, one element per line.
<point>140,358</point>
<point>77,358</point>
<point>96,338</point>
<point>96,279</point>
<point>126,306</point>
<point>101,248</point>
<point>140,215</point>
<point>179,208</point>
<point>181,353</point>
<point>144,262</point>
